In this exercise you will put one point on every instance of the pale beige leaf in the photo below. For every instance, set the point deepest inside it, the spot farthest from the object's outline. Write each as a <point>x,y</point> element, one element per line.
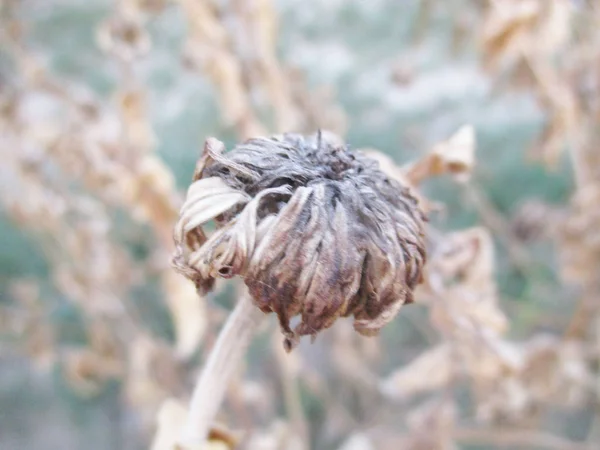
<point>457,154</point>
<point>454,156</point>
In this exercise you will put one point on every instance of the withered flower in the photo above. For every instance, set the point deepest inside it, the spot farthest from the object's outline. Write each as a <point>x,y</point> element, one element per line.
<point>312,227</point>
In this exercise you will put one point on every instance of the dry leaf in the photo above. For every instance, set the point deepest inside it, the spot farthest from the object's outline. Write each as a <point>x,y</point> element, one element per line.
<point>455,156</point>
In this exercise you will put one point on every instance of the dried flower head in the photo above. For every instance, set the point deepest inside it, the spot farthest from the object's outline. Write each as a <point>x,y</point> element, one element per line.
<point>312,227</point>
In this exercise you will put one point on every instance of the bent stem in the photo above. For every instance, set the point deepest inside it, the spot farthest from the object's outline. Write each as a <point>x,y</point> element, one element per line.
<point>229,349</point>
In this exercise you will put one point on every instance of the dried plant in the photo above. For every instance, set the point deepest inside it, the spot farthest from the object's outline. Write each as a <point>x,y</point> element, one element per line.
<point>315,230</point>
<point>285,206</point>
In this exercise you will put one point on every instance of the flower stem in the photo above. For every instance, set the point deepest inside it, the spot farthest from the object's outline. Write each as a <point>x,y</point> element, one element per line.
<point>229,349</point>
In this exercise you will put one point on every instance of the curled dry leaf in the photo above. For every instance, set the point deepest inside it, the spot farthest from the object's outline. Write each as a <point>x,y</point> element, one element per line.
<point>314,229</point>
<point>455,156</point>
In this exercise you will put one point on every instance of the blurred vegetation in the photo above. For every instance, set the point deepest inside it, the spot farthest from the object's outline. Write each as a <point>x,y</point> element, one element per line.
<point>407,75</point>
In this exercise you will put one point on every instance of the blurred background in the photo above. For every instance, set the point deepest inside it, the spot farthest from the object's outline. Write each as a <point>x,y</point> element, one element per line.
<point>104,108</point>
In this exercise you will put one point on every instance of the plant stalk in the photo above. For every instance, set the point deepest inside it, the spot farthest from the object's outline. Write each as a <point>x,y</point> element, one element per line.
<point>223,360</point>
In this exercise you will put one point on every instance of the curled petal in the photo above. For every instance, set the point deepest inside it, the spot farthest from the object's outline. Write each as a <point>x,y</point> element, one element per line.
<point>207,198</point>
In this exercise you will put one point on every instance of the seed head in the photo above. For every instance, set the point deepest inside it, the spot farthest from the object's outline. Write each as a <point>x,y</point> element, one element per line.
<point>313,228</point>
